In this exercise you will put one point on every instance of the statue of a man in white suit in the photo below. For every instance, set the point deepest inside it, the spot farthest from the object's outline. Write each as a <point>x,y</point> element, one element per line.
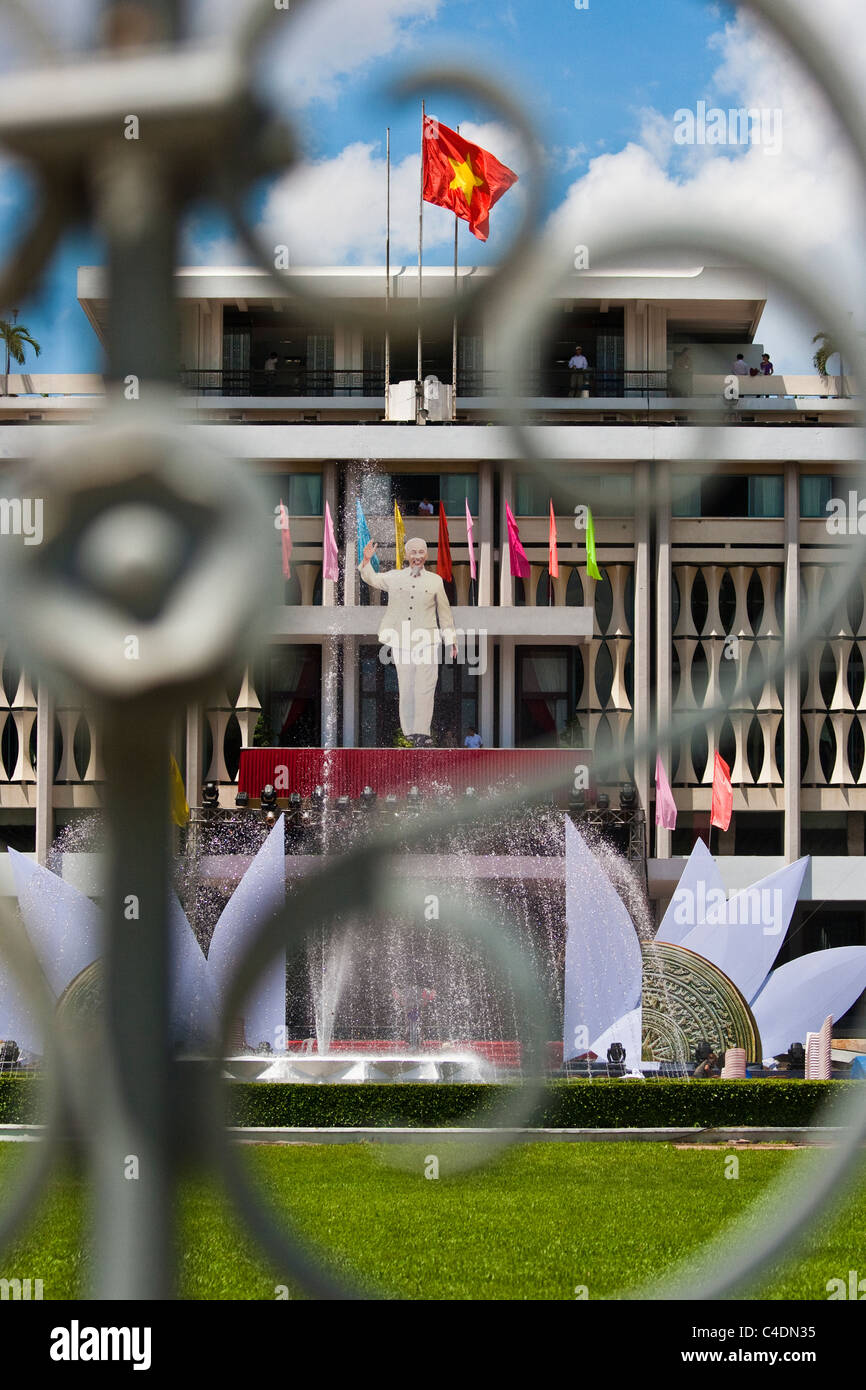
<point>415,624</point>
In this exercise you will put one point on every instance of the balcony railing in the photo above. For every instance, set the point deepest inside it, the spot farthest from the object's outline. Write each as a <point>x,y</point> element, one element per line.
<point>290,381</point>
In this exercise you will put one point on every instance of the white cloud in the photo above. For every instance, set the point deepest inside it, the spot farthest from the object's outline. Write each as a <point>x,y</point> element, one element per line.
<point>803,199</point>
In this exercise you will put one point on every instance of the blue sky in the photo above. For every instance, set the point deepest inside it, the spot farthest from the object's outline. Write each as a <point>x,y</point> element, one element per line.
<point>600,85</point>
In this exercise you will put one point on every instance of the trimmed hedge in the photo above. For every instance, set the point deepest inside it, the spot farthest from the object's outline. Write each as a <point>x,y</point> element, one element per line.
<point>566,1104</point>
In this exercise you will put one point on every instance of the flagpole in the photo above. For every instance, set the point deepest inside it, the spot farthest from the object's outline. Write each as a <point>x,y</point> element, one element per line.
<point>454,326</point>
<point>387,270</point>
<point>421,243</point>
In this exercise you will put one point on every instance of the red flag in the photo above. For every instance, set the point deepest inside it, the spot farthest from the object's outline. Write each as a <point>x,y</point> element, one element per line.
<point>723,794</point>
<point>443,549</point>
<point>552,555</point>
<point>462,176</point>
<point>286,536</point>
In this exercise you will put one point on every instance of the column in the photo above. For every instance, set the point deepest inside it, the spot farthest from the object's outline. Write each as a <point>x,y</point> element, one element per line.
<point>44,773</point>
<point>484,560</point>
<point>664,636</point>
<point>194,753</point>
<point>641,638</point>
<point>484,537</point>
<point>351,595</point>
<point>506,693</point>
<point>791,771</point>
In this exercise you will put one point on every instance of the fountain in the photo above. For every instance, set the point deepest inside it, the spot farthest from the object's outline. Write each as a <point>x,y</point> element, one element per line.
<point>396,1000</point>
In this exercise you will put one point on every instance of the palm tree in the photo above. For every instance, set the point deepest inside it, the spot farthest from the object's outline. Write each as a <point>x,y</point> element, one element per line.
<point>17,339</point>
<point>823,354</point>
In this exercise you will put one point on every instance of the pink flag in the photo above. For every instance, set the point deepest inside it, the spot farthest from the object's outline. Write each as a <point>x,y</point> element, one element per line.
<point>666,807</point>
<point>472,573</point>
<point>330,567</point>
<point>286,538</point>
<point>519,562</point>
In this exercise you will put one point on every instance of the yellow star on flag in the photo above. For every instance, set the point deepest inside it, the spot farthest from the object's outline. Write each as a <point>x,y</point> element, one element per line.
<point>465,177</point>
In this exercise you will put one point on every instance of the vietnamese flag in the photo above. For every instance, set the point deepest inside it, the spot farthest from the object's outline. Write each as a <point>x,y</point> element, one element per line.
<point>461,176</point>
<point>723,795</point>
<point>443,548</point>
<point>552,554</point>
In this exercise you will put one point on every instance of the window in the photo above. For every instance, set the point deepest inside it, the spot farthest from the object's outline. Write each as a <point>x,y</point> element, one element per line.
<point>817,489</point>
<point>300,492</point>
<point>608,495</point>
<point>767,495</point>
<point>454,491</point>
<point>289,684</point>
<point>547,681</point>
<point>723,495</point>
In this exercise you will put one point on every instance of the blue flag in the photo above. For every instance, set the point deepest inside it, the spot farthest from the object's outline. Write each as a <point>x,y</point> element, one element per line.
<point>363,535</point>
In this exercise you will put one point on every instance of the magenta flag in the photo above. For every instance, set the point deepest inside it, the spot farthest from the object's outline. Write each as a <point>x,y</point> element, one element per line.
<point>472,573</point>
<point>519,562</point>
<point>330,567</point>
<point>666,807</point>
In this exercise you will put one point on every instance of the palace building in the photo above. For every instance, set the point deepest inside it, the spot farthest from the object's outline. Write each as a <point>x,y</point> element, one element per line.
<point>711,510</point>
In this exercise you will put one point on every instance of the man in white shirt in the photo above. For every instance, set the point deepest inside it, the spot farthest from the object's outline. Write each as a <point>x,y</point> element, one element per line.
<point>415,624</point>
<point>741,366</point>
<point>578,365</point>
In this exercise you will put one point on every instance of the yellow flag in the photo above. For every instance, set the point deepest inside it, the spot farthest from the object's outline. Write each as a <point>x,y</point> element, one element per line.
<point>179,803</point>
<point>399,536</point>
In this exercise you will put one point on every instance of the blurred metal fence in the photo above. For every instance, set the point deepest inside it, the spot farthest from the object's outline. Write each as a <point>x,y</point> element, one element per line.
<point>72,604</point>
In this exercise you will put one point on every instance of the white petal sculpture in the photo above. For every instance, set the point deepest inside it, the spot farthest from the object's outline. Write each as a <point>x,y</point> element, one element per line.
<point>603,963</point>
<point>700,883</point>
<point>743,935</point>
<point>260,893</point>
<point>798,996</point>
<point>17,1019</point>
<point>193,1005</point>
<point>64,926</point>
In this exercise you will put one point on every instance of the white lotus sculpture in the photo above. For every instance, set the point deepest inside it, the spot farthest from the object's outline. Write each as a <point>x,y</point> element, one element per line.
<point>741,936</point>
<point>66,931</point>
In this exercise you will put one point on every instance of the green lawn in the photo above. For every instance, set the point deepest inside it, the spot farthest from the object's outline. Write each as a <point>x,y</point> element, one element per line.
<point>541,1221</point>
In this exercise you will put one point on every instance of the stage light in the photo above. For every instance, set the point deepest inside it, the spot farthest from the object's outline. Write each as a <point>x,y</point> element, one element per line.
<point>471,792</point>
<point>616,1053</point>
<point>270,818</point>
<point>796,1055</point>
<point>603,801</point>
<point>243,800</point>
<point>295,799</point>
<point>344,805</point>
<point>577,800</point>
<point>318,795</point>
<point>628,796</point>
<point>391,803</point>
<point>702,1050</point>
<point>413,796</point>
<point>210,795</point>
<point>268,797</point>
<point>368,797</point>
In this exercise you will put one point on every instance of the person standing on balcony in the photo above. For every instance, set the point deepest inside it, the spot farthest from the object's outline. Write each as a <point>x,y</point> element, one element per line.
<point>416,622</point>
<point>579,366</point>
<point>741,366</point>
<point>766,367</point>
<point>425,507</point>
<point>473,739</point>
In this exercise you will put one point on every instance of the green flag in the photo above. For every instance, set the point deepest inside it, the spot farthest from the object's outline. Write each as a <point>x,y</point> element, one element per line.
<point>592,568</point>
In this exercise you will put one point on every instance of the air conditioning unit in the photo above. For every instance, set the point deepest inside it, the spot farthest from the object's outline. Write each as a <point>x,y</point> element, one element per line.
<point>437,399</point>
